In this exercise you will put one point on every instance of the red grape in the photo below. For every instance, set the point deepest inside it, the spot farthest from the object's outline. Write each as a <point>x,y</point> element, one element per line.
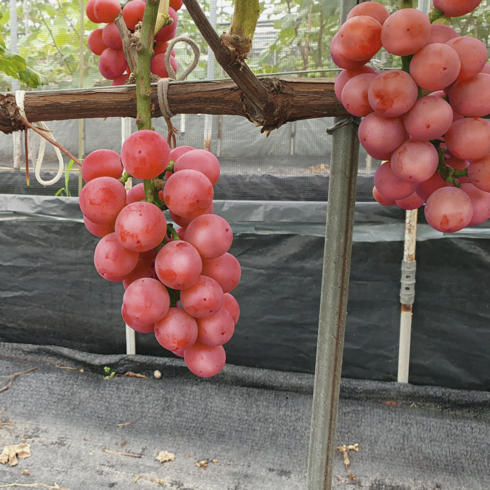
<point>181,232</point>
<point>106,10</point>
<point>414,161</point>
<point>381,199</point>
<point>89,10</point>
<point>441,34</point>
<point>481,204</point>
<point>98,230</point>
<point>469,139</point>
<point>184,222</point>
<point>135,325</point>
<point>472,54</point>
<point>211,235</point>
<point>133,13</point>
<point>141,226</point>
<point>411,202</point>
<point>145,154</point>
<point>120,80</point>
<point>144,268</point>
<point>479,173</point>
<point>448,210</point>
<point>345,75</point>
<point>136,193</point>
<point>225,270</point>
<point>176,4</point>
<point>178,265</point>
<point>102,199</point>
<point>203,299</point>
<point>471,97</point>
<point>217,329</point>
<point>150,255</point>
<point>179,151</point>
<point>112,63</point>
<point>231,304</point>
<point>360,38</point>
<point>102,163</point>
<point>201,160</point>
<point>111,36</point>
<point>456,8</point>
<point>355,95</point>
<point>391,187</point>
<point>146,300</point>
<point>205,361</point>
<point>486,69</point>
<point>370,9</point>
<point>112,261</point>
<point>176,331</point>
<point>96,43</point>
<point>158,67</point>
<point>342,61</point>
<point>454,162</point>
<point>161,48</point>
<point>168,32</point>
<point>426,188</point>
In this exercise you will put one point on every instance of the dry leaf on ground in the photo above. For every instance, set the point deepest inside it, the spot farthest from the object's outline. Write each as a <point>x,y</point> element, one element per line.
<point>11,453</point>
<point>26,472</point>
<point>202,464</point>
<point>165,457</point>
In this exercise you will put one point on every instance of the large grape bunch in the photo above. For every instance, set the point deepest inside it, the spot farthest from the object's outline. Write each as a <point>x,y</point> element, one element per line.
<point>177,281</point>
<point>425,122</point>
<point>106,42</point>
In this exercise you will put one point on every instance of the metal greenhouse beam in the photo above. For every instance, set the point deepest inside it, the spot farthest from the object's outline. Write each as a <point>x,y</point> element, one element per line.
<point>334,295</point>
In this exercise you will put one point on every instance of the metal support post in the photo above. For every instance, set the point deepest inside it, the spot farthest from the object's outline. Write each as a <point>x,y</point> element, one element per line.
<point>208,118</point>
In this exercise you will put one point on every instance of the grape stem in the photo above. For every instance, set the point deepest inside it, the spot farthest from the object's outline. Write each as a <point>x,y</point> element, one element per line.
<point>436,16</point>
<point>126,176</point>
<point>450,175</point>
<point>172,232</point>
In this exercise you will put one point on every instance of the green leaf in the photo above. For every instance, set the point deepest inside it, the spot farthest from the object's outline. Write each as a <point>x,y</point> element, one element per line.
<point>15,66</point>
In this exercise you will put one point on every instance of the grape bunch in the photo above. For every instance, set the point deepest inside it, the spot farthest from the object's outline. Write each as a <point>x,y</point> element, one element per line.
<point>426,122</point>
<point>177,282</point>
<point>106,42</point>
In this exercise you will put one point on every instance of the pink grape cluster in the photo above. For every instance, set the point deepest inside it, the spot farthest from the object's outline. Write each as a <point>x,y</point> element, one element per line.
<point>106,42</point>
<point>177,282</point>
<point>435,148</point>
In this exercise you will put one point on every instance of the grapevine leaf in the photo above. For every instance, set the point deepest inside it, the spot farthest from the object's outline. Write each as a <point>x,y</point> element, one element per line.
<point>15,66</point>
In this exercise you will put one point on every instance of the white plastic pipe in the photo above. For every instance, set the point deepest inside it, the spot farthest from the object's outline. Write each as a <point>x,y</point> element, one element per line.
<point>208,118</point>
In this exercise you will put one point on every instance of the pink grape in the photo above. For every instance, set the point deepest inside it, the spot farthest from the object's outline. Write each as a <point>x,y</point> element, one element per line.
<point>381,199</point>
<point>145,154</point>
<point>89,10</point>
<point>429,186</point>
<point>161,48</point>
<point>168,32</point>
<point>486,69</point>
<point>102,163</point>
<point>176,331</point>
<point>158,66</point>
<point>120,80</point>
<point>150,255</point>
<point>391,187</point>
<point>448,210</point>
<point>96,43</point>
<point>414,161</point>
<point>112,260</point>
<point>176,4</point>
<point>231,304</point>
<point>342,61</point>
<point>370,9</point>
<point>181,232</point>
<point>479,173</point>
<point>225,270</point>
<point>441,34</point>
<point>481,204</point>
<point>136,193</point>
<point>456,8</point>
<point>146,300</point>
<point>471,98</point>
<point>98,230</point>
<point>144,268</point>
<point>205,361</point>
<point>112,63</point>
<point>454,162</point>
<point>188,193</point>
<point>135,325</point>
<point>211,235</point>
<point>201,160</point>
<point>141,226</point>
<point>102,199</point>
<point>469,139</point>
<point>179,151</point>
<point>435,66</point>
<point>381,136</point>
<point>111,36</point>
<point>203,299</point>
<point>355,95</point>
<point>217,329</point>
<point>360,38</point>
<point>133,13</point>
<point>184,222</point>
<point>392,93</point>
<point>429,118</point>
<point>106,10</point>
<point>472,53</point>
<point>345,75</point>
<point>178,265</point>
<point>405,32</point>
<point>178,352</point>
<point>414,201</point>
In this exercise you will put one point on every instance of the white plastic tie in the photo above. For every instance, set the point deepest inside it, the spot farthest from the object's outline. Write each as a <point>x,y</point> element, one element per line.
<point>19,100</point>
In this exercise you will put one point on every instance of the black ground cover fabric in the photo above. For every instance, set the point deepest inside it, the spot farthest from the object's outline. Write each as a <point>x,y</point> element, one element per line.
<point>410,438</point>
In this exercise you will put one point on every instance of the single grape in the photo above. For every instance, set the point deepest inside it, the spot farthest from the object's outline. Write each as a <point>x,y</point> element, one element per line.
<point>355,95</point>
<point>479,173</point>
<point>381,199</point>
<point>178,265</point>
<point>429,118</point>
<point>426,188</point>
<point>469,139</point>
<point>106,10</point>
<point>145,154</point>
<point>168,32</point>
<point>225,270</point>
<point>98,230</point>
<point>102,199</point>
<point>217,329</point>
<point>89,10</point>
<point>203,299</point>
<point>486,69</point>
<point>342,61</point>
<point>210,234</point>
<point>112,260</point>
<point>435,66</point>
<point>158,66</point>
<point>102,163</point>
<point>392,93</point>
<point>454,162</point>
<point>414,161</point>
<point>345,75</point>
<point>176,331</point>
<point>111,36</point>
<point>456,8</point>
<point>120,80</point>
<point>149,255</point>
<point>472,54</point>
<point>231,304</point>
<point>481,204</point>
<point>448,210</point>
<point>133,13</point>
<point>360,38</point>
<point>95,42</point>
<point>185,221</point>
<point>112,63</point>
<point>405,32</point>
<point>179,151</point>
<point>135,325</point>
<point>176,4</point>
<point>146,300</point>
<point>141,226</point>
<point>441,34</point>
<point>370,9</point>
<point>201,160</point>
<point>161,48</point>
<point>205,361</point>
<point>188,193</point>
<point>136,193</point>
<point>389,186</point>
<point>181,232</point>
<point>471,98</point>
<point>414,201</point>
<point>381,136</point>
<point>144,268</point>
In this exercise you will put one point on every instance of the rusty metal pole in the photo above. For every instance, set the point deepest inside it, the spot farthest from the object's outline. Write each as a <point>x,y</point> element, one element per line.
<point>333,304</point>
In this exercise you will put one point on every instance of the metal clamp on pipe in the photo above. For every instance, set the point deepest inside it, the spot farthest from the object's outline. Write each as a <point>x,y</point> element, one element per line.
<point>407,291</point>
